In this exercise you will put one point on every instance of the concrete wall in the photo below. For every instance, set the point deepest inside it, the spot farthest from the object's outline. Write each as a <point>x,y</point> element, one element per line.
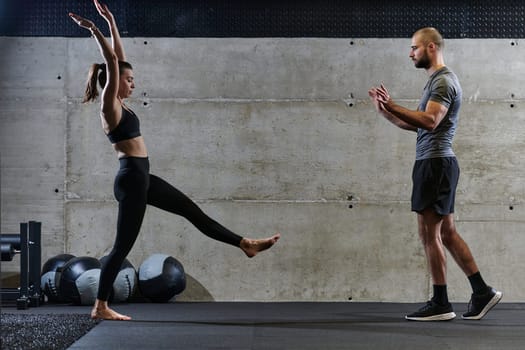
<point>269,135</point>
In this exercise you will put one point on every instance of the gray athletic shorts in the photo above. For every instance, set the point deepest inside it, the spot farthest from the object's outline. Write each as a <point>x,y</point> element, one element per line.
<point>434,184</point>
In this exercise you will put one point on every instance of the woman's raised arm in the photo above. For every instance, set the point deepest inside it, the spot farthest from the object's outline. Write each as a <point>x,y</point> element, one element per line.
<point>116,41</point>
<point>110,107</point>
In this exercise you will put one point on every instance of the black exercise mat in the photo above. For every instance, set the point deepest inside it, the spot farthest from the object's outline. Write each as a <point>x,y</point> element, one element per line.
<point>44,331</point>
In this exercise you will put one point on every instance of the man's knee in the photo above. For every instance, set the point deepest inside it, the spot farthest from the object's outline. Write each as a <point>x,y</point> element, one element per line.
<point>430,224</point>
<point>448,231</point>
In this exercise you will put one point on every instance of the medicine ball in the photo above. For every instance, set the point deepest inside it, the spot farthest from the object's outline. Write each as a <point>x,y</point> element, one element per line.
<point>79,280</point>
<point>124,284</point>
<point>50,278</point>
<point>161,277</point>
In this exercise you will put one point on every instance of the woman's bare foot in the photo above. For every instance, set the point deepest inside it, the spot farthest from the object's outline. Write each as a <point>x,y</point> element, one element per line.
<point>251,247</point>
<point>101,311</point>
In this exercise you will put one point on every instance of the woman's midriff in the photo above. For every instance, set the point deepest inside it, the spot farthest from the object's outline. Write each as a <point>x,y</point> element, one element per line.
<point>134,147</point>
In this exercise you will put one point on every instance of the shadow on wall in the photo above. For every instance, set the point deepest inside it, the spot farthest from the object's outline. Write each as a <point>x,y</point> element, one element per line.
<point>194,291</point>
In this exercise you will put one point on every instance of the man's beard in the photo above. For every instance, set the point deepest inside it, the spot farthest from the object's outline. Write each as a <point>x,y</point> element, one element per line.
<point>423,62</point>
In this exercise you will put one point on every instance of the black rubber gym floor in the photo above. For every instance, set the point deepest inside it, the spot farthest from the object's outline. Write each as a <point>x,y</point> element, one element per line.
<point>283,325</point>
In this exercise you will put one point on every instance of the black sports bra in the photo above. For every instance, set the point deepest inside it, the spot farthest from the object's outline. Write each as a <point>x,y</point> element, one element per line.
<point>127,128</point>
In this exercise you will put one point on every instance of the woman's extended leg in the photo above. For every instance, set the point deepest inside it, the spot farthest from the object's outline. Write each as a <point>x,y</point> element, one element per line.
<point>164,196</point>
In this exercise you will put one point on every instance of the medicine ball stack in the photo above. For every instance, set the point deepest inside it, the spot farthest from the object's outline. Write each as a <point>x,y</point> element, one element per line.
<point>74,280</point>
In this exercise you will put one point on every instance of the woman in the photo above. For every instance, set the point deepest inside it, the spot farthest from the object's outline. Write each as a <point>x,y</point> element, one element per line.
<point>134,186</point>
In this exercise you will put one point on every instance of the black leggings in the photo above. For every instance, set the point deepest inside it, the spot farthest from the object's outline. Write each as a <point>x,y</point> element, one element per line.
<point>134,188</point>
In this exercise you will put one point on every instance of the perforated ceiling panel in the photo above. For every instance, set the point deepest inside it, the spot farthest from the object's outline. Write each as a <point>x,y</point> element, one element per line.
<point>285,18</point>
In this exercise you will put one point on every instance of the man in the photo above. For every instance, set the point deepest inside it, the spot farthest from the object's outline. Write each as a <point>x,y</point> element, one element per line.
<point>435,176</point>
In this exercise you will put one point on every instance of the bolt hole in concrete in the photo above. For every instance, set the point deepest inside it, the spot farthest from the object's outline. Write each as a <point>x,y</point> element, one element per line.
<point>511,207</point>
<point>512,105</point>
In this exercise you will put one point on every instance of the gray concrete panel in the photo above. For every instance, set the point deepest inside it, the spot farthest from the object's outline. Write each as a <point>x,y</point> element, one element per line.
<point>32,67</point>
<point>489,145</point>
<point>302,68</point>
<point>298,150</point>
<point>328,251</point>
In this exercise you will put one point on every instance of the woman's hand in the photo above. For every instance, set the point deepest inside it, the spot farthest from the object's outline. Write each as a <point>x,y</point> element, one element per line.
<point>82,22</point>
<point>104,11</point>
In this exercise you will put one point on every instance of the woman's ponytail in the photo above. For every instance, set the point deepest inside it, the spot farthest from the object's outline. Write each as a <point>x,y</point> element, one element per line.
<point>97,73</point>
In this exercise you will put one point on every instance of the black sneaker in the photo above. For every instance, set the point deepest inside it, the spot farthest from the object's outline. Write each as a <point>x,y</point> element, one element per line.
<point>480,304</point>
<point>433,312</point>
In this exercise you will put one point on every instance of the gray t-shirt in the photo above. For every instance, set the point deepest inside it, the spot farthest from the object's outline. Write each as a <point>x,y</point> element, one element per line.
<point>442,87</point>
